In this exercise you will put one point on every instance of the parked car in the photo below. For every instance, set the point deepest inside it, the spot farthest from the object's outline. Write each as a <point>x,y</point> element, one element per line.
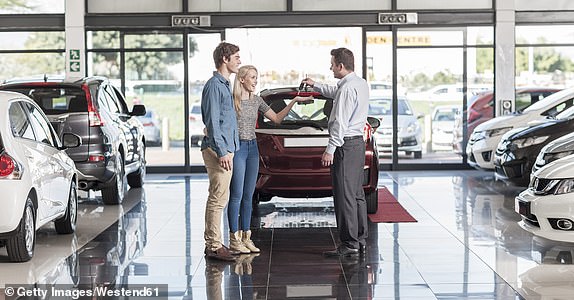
<point>481,109</point>
<point>485,137</point>
<point>409,129</point>
<point>442,125</point>
<point>290,153</point>
<point>518,149</point>
<point>152,128</point>
<point>547,206</point>
<point>558,148</point>
<point>196,124</point>
<point>113,141</point>
<point>37,178</point>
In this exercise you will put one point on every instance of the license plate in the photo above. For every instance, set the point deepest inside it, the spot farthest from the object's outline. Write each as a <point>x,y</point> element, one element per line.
<point>306,142</point>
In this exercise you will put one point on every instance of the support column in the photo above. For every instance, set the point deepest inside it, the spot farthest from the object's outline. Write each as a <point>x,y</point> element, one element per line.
<point>75,40</point>
<point>504,56</point>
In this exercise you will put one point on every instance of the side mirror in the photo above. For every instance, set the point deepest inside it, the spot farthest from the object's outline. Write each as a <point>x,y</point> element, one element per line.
<point>71,140</point>
<point>138,110</point>
<point>374,122</point>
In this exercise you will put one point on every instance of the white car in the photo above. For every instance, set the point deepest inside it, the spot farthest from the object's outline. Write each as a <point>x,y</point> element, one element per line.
<point>486,136</point>
<point>442,124</point>
<point>196,124</point>
<point>409,129</point>
<point>38,179</point>
<point>547,206</point>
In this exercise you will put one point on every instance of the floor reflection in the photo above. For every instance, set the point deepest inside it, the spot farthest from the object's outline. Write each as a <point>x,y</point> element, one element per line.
<point>466,245</point>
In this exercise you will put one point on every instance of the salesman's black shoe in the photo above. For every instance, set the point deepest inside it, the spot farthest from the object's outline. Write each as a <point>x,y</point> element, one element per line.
<point>342,251</point>
<point>362,249</point>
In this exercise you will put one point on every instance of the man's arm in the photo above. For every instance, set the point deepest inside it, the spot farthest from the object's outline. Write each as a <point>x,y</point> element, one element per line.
<point>211,110</point>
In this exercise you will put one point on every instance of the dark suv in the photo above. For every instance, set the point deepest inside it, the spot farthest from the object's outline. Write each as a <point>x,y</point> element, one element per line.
<point>113,142</point>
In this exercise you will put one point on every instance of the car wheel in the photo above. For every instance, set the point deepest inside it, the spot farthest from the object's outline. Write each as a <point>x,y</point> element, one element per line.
<point>67,223</point>
<point>20,247</point>
<point>114,194</point>
<point>418,154</point>
<point>136,179</point>
<point>372,199</point>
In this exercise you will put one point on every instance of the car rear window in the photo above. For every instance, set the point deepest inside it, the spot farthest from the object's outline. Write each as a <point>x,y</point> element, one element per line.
<point>384,107</point>
<point>56,99</point>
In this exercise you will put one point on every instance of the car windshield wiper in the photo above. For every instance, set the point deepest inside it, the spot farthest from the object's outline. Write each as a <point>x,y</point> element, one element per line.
<point>303,123</point>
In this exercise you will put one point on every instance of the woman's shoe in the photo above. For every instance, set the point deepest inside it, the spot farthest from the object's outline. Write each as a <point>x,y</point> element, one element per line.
<point>246,239</point>
<point>235,243</point>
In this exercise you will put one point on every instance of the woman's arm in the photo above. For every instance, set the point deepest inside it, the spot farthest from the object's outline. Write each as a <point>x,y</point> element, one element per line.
<point>278,117</point>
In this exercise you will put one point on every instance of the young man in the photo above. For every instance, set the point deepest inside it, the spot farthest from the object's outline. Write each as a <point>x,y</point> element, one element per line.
<point>345,152</point>
<point>219,145</point>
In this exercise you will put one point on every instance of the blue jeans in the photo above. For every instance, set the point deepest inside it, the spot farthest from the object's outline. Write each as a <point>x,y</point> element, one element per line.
<point>245,169</point>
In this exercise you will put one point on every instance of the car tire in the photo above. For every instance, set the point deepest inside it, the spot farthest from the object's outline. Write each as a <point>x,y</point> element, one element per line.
<point>114,194</point>
<point>136,179</point>
<point>372,199</point>
<point>418,154</point>
<point>67,223</point>
<point>20,247</point>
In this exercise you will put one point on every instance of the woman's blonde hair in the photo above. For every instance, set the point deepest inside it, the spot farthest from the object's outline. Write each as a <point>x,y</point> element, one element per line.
<point>243,71</point>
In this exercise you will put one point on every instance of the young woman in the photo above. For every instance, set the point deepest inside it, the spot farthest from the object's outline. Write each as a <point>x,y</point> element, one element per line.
<point>246,159</point>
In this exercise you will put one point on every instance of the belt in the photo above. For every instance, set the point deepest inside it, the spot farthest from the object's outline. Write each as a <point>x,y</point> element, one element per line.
<point>348,138</point>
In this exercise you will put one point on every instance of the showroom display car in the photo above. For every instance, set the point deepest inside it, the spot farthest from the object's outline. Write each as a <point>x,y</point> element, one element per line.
<point>409,130</point>
<point>37,178</point>
<point>481,109</point>
<point>113,140</point>
<point>517,151</point>
<point>547,206</point>
<point>290,153</point>
<point>486,136</point>
<point>558,148</point>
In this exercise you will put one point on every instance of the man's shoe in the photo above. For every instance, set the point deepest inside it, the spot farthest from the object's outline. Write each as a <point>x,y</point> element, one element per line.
<point>342,251</point>
<point>362,249</point>
<point>220,254</point>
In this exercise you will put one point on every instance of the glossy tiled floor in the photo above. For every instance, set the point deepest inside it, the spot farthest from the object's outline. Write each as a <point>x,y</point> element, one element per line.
<point>465,245</point>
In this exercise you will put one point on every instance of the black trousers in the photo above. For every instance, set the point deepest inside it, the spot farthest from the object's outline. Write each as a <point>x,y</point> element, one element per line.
<point>348,194</point>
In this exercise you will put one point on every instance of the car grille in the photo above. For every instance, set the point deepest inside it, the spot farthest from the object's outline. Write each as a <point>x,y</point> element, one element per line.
<point>543,186</point>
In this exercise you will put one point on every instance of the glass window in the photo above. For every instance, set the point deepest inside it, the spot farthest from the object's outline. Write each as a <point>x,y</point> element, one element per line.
<point>153,40</point>
<point>302,52</point>
<point>444,4</point>
<point>103,39</point>
<point>32,40</point>
<point>529,5</point>
<point>41,126</point>
<point>19,122</point>
<point>135,6</point>
<point>237,5</point>
<point>33,7</point>
<point>430,38</point>
<point>332,5</point>
<point>546,34</point>
<point>105,64</point>
<point>28,64</point>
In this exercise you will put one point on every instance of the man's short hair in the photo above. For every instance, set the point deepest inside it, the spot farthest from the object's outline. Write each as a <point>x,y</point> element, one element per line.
<point>223,50</point>
<point>344,56</point>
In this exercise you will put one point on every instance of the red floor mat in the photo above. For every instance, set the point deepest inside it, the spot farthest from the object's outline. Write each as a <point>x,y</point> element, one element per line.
<point>390,210</point>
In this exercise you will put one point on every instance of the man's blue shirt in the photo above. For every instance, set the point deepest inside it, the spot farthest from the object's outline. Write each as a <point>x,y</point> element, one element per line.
<point>219,116</point>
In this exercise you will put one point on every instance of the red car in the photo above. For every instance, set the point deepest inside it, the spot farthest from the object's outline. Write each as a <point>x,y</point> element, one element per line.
<point>290,153</point>
<point>481,109</point>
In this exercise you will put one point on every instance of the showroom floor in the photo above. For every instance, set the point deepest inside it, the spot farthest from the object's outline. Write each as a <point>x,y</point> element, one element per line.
<point>466,245</point>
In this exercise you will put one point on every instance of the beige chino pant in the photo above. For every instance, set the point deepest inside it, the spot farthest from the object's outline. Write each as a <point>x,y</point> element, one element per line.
<point>219,180</point>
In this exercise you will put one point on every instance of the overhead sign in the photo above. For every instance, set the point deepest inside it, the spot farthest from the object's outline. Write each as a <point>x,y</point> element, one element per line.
<point>398,18</point>
<point>190,21</point>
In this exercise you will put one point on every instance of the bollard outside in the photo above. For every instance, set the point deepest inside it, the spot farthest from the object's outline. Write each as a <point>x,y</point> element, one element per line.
<point>165,134</point>
<point>428,133</point>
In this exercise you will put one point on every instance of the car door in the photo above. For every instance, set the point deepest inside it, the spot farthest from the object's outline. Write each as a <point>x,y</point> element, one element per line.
<point>53,164</point>
<point>133,128</point>
<point>121,118</point>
